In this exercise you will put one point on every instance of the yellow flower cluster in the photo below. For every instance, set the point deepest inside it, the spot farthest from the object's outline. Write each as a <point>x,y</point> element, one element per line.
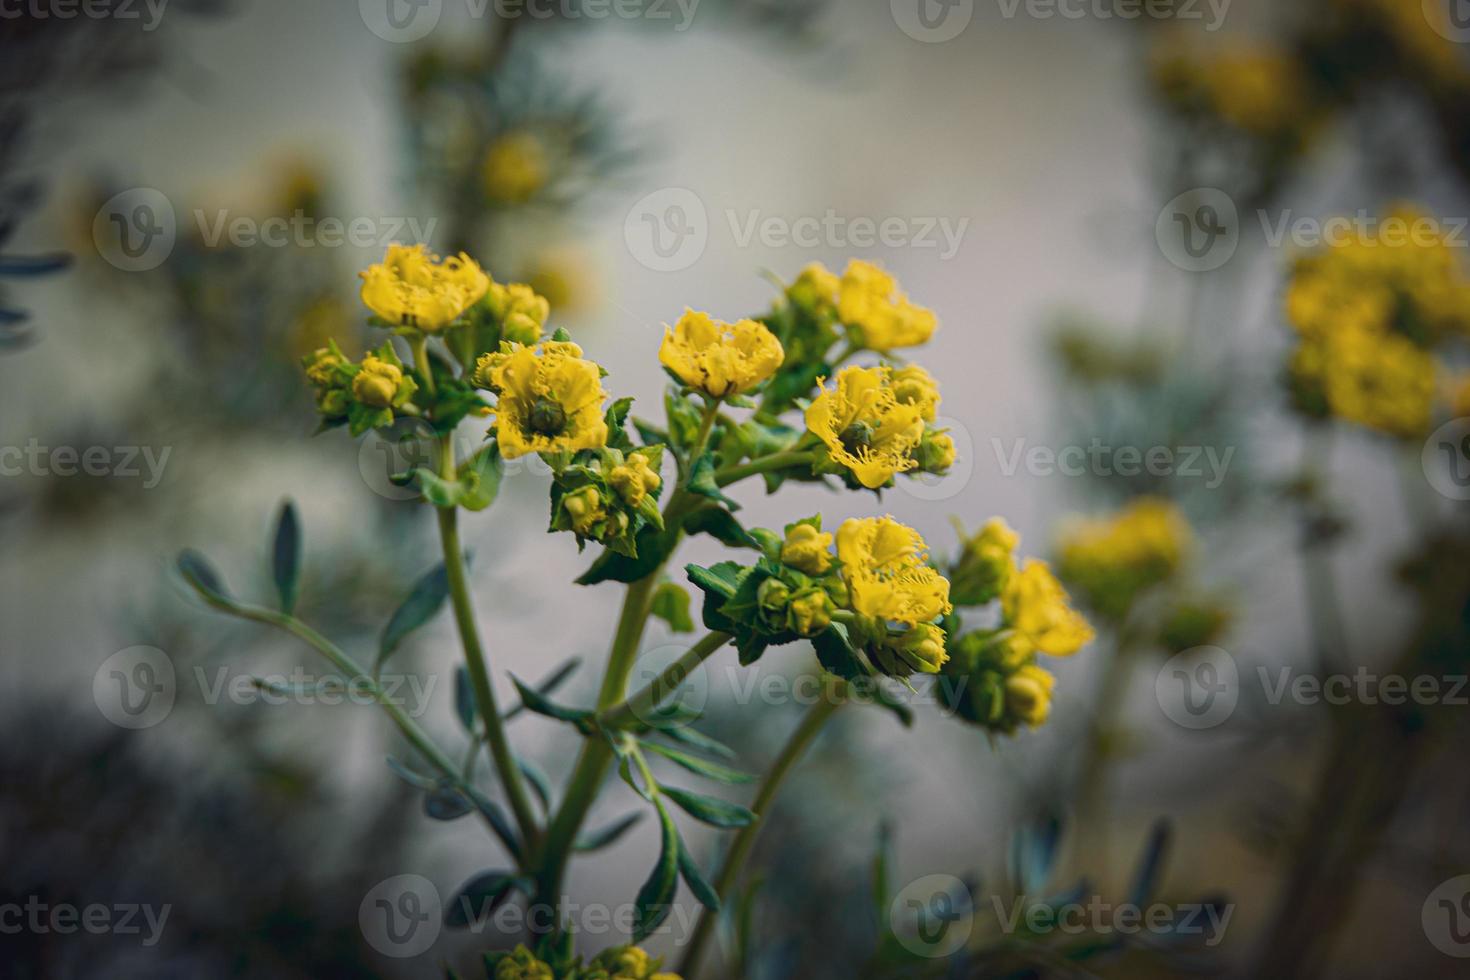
<point>414,289</point>
<point>890,580</point>
<point>515,168</point>
<point>1112,559</point>
<point>549,399</point>
<point>868,302</point>
<point>616,963</point>
<point>1368,311</point>
<point>720,359</point>
<point>1256,90</point>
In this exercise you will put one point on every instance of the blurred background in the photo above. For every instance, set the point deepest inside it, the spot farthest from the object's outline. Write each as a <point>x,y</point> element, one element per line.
<point>1114,209</point>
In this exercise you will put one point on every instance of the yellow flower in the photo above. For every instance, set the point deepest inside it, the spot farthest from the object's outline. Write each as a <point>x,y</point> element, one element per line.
<point>515,168</point>
<point>550,399</point>
<point>522,965</point>
<point>876,312</point>
<point>1035,606</point>
<point>865,427</point>
<point>585,508</point>
<point>720,358</point>
<point>923,648</point>
<point>1381,381</point>
<point>323,365</point>
<point>522,313</point>
<point>635,479</point>
<point>810,612</point>
<point>1028,695</point>
<point>377,383</point>
<point>412,288</point>
<point>984,563</point>
<point>805,549</point>
<point>886,567</point>
<point>625,963</point>
<point>815,289</point>
<point>912,385</point>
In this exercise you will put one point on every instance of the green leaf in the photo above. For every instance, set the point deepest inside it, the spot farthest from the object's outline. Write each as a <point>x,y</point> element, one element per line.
<point>540,784</point>
<point>498,821</point>
<point>721,525</point>
<point>671,604</point>
<point>694,878</point>
<point>200,574</point>
<point>415,779</point>
<point>653,546</point>
<point>702,481</point>
<point>437,490</point>
<point>479,478</point>
<point>684,418</point>
<point>479,897</point>
<point>464,698</point>
<point>702,767</point>
<point>698,740</point>
<point>446,803</point>
<point>616,417</point>
<point>423,601</point>
<point>656,897</point>
<point>535,701</point>
<point>721,580</point>
<point>716,812</point>
<point>885,697</point>
<point>548,685</point>
<point>836,655</point>
<point>595,840</point>
<point>286,556</point>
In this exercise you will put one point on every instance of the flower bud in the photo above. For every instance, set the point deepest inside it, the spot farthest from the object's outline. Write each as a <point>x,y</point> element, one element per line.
<point>1028,695</point>
<point>985,563</point>
<point>773,596</point>
<point>912,385</point>
<point>805,549</point>
<point>923,648</point>
<point>811,612</point>
<point>521,965</point>
<point>376,383</point>
<point>936,452</point>
<point>635,479</point>
<point>322,366</point>
<point>584,509</point>
<point>815,290</point>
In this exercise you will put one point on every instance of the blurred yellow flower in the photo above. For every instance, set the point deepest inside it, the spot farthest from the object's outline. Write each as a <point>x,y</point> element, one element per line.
<point>864,426</point>
<point>912,385</point>
<point>550,399</point>
<point>1028,695</point>
<point>889,578</point>
<point>876,312</point>
<point>516,168</point>
<point>1035,605</point>
<point>815,290</point>
<point>1111,560</point>
<point>520,310</point>
<point>718,358</point>
<point>412,288</point>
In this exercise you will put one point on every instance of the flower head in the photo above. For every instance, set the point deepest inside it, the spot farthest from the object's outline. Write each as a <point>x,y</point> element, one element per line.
<point>634,479</point>
<point>912,385</point>
<point>720,359</point>
<point>864,426</point>
<point>378,383</point>
<point>521,964</point>
<point>985,562</point>
<point>815,290</point>
<point>550,398</point>
<point>624,963</point>
<point>876,312</point>
<point>1028,695</point>
<point>886,567</point>
<point>1035,605</point>
<point>412,288</point>
<point>515,168</point>
<point>520,311</point>
<point>1112,559</point>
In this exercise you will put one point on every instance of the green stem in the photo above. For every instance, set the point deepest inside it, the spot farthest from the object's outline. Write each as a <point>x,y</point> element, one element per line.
<point>734,861</point>
<point>658,691</point>
<point>775,461</point>
<point>474,656</point>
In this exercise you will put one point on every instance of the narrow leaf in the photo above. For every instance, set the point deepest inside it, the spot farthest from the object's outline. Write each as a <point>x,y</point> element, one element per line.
<point>702,767</point>
<point>446,803</point>
<point>536,701</point>
<point>540,784</point>
<point>464,698</point>
<point>425,599</point>
<point>716,812</point>
<point>694,878</point>
<point>656,897</point>
<point>415,779</point>
<point>200,574</point>
<point>549,684</point>
<point>479,897</point>
<point>595,840</point>
<point>698,740</point>
<point>286,556</point>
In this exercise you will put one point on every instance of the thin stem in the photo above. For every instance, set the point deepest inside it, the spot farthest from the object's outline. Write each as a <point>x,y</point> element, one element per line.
<point>474,656</point>
<point>419,344</point>
<point>734,861</point>
<point>766,464</point>
<point>658,691</point>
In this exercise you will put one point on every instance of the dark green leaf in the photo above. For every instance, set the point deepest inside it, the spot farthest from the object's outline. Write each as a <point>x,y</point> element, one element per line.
<point>835,655</point>
<point>702,481</point>
<point>539,703</point>
<point>595,840</point>
<point>694,878</point>
<point>446,803</point>
<point>200,574</point>
<point>415,779</point>
<point>540,785</point>
<point>702,767</point>
<point>616,417</point>
<point>286,556</point>
<point>498,821</point>
<point>549,684</point>
<point>721,579</point>
<point>423,601</point>
<point>716,812</point>
<point>671,604</point>
<point>656,897</point>
<point>698,740</point>
<point>479,897</point>
<point>653,548</point>
<point>464,698</point>
<point>720,524</point>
